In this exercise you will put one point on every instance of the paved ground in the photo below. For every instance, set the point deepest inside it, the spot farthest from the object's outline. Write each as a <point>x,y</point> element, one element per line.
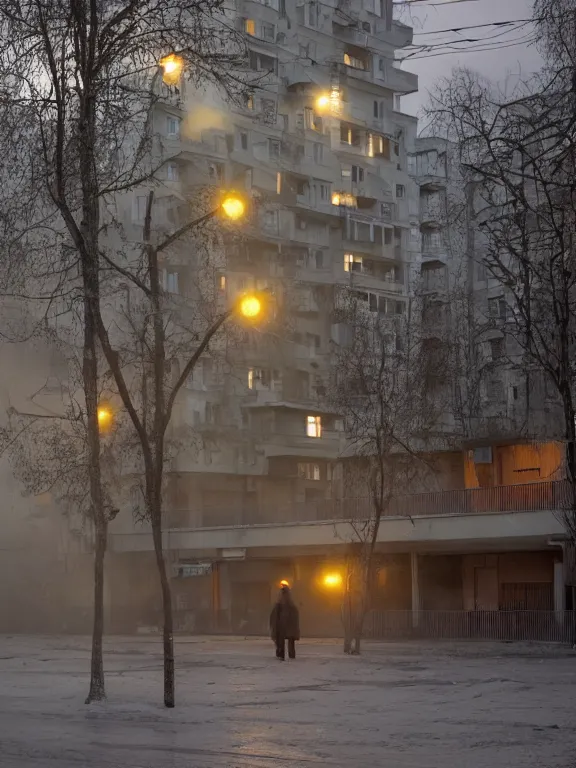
<point>435,706</point>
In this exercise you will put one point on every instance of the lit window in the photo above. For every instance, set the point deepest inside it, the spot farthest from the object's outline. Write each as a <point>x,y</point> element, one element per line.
<point>250,101</point>
<point>344,199</point>
<point>250,378</point>
<point>250,27</point>
<point>314,426</point>
<point>370,150</point>
<point>345,135</point>
<point>354,62</point>
<point>352,263</point>
<point>278,183</point>
<point>222,282</point>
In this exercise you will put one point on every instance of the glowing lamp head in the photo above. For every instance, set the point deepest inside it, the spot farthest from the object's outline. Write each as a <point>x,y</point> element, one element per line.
<point>172,67</point>
<point>104,415</point>
<point>284,584</point>
<point>333,580</point>
<point>250,306</point>
<point>322,102</point>
<point>233,207</point>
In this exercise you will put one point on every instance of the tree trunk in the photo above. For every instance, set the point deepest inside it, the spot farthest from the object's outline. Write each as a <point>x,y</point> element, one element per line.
<point>168,625</point>
<point>90,383</point>
<point>347,622</point>
<point>97,690</point>
<point>359,626</point>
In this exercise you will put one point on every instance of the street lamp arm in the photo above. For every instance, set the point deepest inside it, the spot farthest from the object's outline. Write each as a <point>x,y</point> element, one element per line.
<point>189,367</point>
<point>184,229</point>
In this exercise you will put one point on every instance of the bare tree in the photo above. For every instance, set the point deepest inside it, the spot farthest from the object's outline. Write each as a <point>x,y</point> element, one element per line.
<point>152,351</point>
<point>76,100</point>
<point>518,153</point>
<point>387,387</point>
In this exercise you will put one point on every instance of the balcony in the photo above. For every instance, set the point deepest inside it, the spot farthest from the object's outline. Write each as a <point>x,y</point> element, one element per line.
<point>350,34</point>
<point>372,187</point>
<point>379,38</point>
<point>364,73</point>
<point>400,81</point>
<point>401,35</point>
<point>365,278</point>
<point>432,215</point>
<point>532,497</point>
<point>433,253</point>
<point>515,517</point>
<point>432,182</point>
<point>315,206</point>
<point>325,447</point>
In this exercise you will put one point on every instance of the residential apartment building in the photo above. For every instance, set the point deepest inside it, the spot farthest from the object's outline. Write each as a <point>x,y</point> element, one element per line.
<point>334,167</point>
<point>342,195</point>
<point>320,149</point>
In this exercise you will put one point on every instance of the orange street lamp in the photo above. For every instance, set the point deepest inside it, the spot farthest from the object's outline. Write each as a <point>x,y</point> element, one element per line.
<point>233,206</point>
<point>250,306</point>
<point>332,580</point>
<point>172,67</point>
<point>105,418</point>
<point>323,102</point>
<point>284,583</point>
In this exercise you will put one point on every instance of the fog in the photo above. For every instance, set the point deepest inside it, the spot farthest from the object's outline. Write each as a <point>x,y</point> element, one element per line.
<point>43,582</point>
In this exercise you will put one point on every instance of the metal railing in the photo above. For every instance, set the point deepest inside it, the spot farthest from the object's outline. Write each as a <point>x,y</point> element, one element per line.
<point>519,626</point>
<point>552,495</point>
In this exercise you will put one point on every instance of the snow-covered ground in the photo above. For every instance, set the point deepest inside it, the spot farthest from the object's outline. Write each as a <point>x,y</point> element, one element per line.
<point>433,706</point>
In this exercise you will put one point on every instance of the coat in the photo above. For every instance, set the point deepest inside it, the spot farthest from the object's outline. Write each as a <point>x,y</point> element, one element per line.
<point>285,621</point>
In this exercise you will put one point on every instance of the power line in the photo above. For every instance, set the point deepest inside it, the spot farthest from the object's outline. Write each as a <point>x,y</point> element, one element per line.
<point>524,41</point>
<point>433,5</point>
<point>487,39</point>
<point>478,26</point>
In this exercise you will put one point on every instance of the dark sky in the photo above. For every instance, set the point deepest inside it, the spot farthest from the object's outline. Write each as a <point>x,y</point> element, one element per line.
<point>503,65</point>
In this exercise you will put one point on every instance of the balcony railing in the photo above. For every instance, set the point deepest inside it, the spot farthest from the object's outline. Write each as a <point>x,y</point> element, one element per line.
<point>552,496</point>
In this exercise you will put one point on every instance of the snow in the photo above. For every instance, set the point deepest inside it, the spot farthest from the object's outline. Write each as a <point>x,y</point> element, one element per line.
<point>397,706</point>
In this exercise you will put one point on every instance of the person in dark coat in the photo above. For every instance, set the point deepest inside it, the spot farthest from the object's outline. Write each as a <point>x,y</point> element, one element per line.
<point>285,624</point>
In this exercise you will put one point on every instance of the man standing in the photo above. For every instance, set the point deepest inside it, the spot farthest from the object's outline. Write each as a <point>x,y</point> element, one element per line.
<point>285,624</point>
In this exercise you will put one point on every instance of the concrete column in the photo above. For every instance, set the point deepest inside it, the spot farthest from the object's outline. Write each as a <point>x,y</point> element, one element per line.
<point>225,594</point>
<point>559,592</point>
<point>415,588</point>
